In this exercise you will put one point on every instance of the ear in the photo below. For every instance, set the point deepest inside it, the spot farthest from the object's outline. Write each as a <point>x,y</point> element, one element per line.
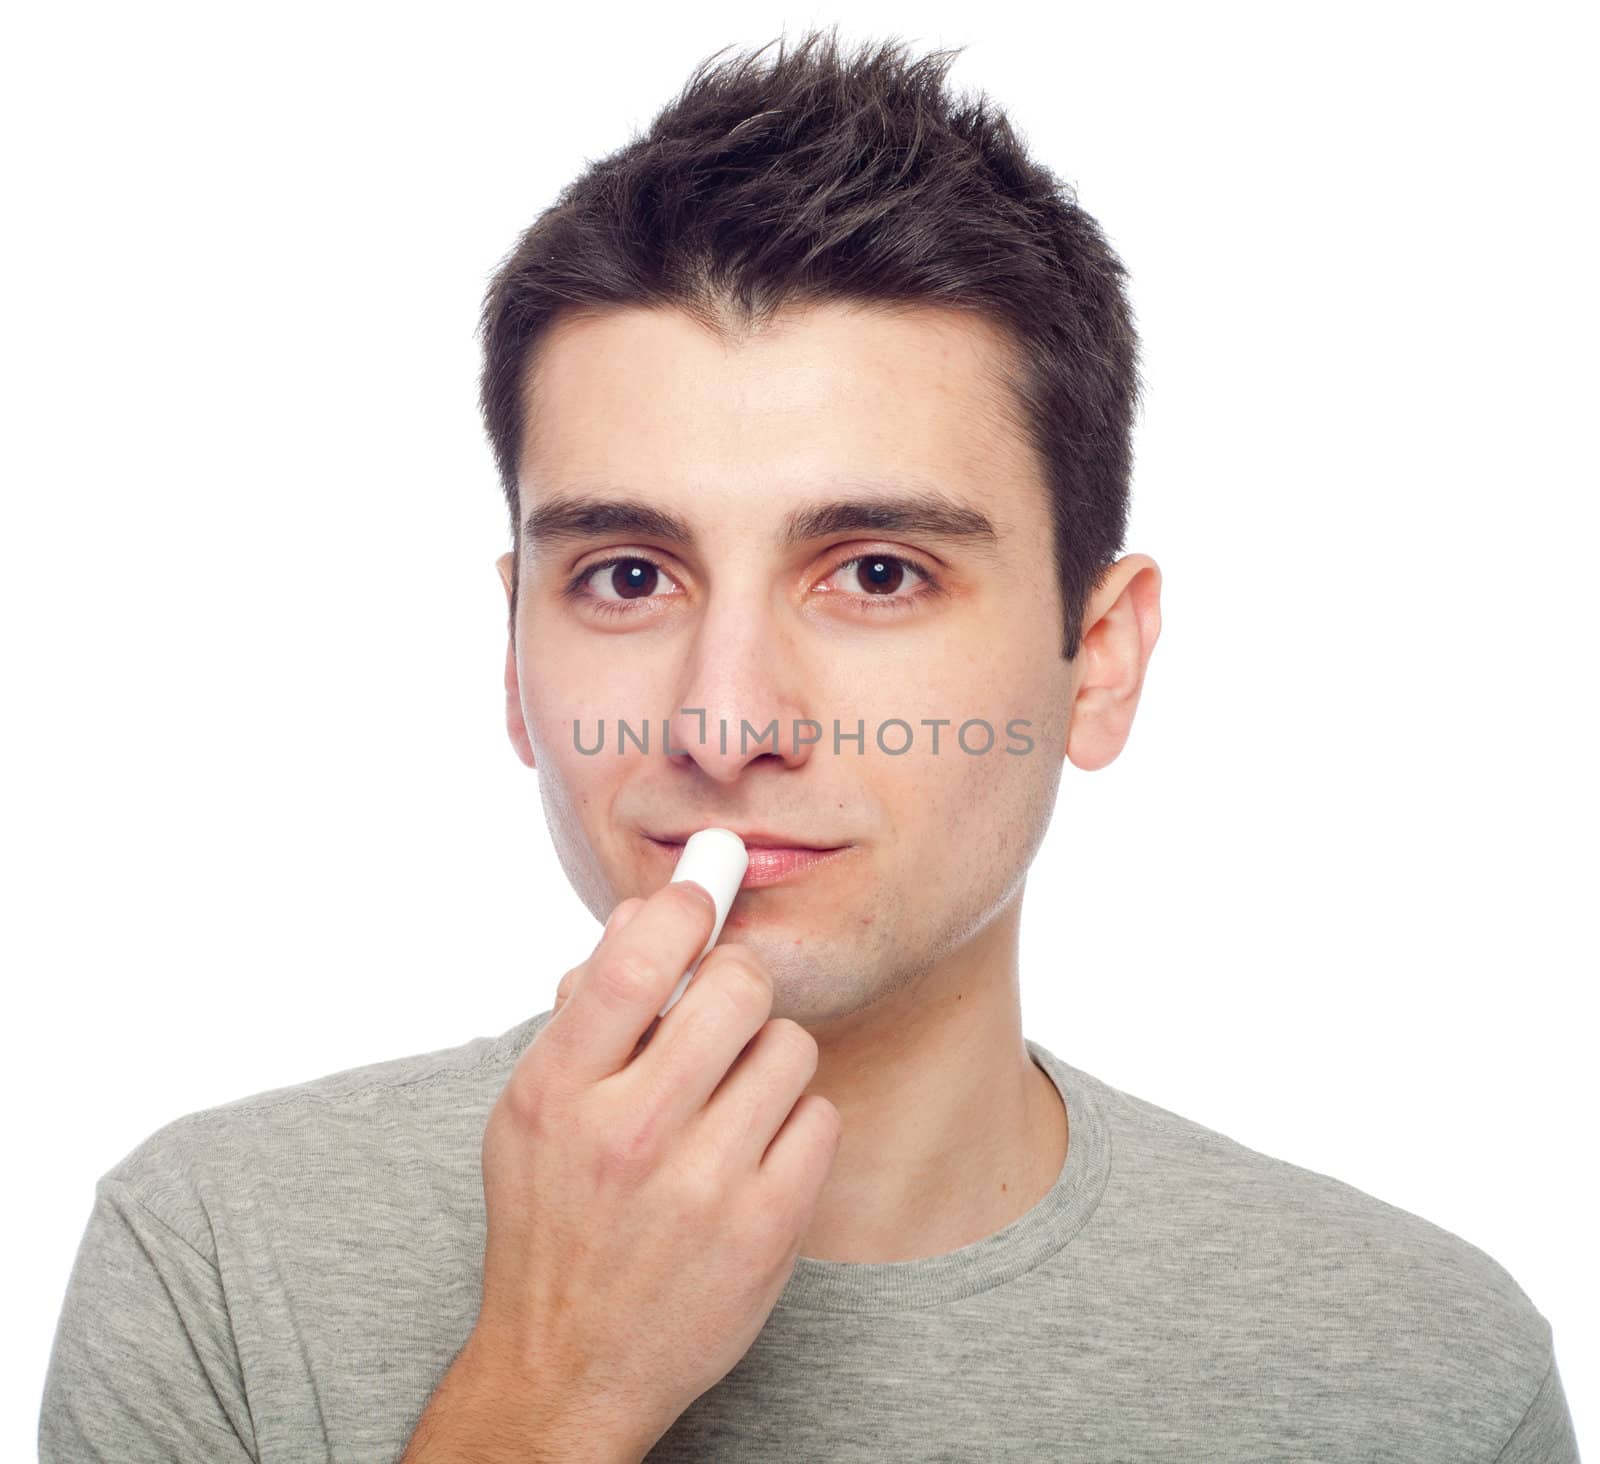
<point>516,725</point>
<point>1121,624</point>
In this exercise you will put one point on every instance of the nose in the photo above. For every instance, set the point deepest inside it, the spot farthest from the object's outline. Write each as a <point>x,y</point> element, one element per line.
<point>740,694</point>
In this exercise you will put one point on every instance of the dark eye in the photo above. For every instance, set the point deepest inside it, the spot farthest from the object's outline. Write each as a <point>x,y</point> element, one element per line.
<point>613,581</point>
<point>881,575</point>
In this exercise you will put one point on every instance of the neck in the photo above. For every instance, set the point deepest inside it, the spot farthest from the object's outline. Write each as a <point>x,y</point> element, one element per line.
<point>950,1130</point>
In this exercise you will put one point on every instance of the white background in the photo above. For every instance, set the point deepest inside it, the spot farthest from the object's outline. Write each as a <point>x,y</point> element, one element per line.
<point>262,821</point>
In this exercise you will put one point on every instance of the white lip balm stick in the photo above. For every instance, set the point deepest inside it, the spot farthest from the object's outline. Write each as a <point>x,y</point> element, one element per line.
<point>716,859</point>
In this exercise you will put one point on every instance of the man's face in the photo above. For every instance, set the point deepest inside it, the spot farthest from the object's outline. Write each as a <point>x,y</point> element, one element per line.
<point>753,624</point>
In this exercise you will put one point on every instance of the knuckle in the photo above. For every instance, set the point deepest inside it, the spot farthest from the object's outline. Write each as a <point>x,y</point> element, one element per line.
<point>699,1188</point>
<point>624,979</point>
<point>630,1149</point>
<point>522,1101</point>
<point>747,985</point>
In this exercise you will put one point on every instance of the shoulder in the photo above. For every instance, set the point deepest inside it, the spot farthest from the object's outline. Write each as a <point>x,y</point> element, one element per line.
<point>358,1119</point>
<point>1328,1275</point>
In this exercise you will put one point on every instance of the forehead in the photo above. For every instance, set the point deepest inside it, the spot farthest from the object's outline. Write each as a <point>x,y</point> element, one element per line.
<point>655,400</point>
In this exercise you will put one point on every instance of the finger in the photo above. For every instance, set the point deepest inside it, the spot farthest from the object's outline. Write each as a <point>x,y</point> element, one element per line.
<point>703,1036</point>
<point>624,985</point>
<point>620,915</point>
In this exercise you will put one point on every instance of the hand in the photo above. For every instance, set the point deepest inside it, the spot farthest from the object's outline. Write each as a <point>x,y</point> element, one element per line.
<point>647,1194</point>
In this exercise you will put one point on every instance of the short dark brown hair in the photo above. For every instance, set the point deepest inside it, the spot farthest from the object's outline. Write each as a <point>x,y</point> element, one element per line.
<point>854,178</point>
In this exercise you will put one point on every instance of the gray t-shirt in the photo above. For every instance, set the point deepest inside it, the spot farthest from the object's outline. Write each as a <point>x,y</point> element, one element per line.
<point>288,1276</point>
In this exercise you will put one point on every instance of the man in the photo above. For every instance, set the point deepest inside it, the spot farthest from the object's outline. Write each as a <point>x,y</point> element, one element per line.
<point>813,411</point>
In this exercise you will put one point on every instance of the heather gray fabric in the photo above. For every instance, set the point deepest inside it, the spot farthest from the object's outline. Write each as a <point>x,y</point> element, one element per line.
<point>286,1278</point>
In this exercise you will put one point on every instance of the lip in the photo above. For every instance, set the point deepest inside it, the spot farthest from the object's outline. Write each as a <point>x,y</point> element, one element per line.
<point>753,839</point>
<point>769,863</point>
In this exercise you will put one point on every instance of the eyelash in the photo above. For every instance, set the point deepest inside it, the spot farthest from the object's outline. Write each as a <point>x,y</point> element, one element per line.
<point>872,604</point>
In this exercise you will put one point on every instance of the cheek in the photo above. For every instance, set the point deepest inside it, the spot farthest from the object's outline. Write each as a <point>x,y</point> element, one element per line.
<point>974,815</point>
<point>563,710</point>
<point>569,687</point>
<point>940,802</point>
<point>993,812</point>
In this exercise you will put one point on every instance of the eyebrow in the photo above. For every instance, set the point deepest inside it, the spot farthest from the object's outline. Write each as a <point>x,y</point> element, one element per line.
<point>914,510</point>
